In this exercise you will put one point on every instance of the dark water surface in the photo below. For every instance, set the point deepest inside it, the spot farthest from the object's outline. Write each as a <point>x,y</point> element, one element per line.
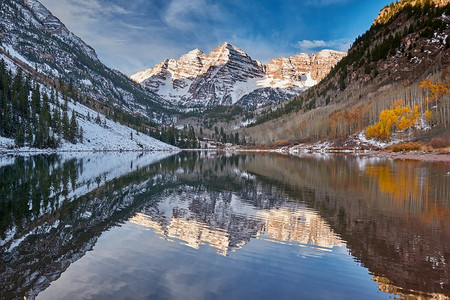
<point>215,226</point>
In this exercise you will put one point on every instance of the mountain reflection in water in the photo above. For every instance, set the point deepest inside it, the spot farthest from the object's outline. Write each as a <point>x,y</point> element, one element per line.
<point>391,216</point>
<point>226,222</point>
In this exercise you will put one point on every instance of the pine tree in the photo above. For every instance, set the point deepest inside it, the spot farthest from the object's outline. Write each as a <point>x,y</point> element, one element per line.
<point>65,126</point>
<point>80,134</point>
<point>36,100</point>
<point>20,136</point>
<point>56,121</point>
<point>29,134</point>
<point>73,130</point>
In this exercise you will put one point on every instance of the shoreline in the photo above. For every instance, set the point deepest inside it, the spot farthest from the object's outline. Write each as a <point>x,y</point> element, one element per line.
<point>56,151</point>
<point>417,156</point>
<point>413,155</point>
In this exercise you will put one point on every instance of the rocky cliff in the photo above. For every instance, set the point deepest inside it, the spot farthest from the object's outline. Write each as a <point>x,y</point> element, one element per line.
<point>228,75</point>
<point>297,67</point>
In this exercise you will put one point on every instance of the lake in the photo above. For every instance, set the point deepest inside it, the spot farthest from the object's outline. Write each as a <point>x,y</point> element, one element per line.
<point>204,225</point>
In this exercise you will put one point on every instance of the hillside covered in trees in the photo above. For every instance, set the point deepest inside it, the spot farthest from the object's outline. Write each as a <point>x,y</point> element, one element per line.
<point>406,44</point>
<point>39,123</point>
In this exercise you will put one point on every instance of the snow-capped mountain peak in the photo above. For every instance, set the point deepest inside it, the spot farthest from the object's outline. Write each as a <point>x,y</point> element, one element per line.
<point>228,75</point>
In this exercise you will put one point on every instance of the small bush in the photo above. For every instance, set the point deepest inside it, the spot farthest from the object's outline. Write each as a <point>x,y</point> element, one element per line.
<point>411,146</point>
<point>439,143</point>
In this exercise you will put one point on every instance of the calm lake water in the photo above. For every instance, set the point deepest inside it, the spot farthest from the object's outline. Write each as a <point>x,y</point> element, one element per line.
<point>221,226</point>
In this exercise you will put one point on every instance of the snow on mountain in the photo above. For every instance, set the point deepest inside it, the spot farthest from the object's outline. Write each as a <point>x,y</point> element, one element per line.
<point>103,135</point>
<point>303,69</point>
<point>29,32</point>
<point>227,75</point>
<point>98,136</point>
<point>109,135</point>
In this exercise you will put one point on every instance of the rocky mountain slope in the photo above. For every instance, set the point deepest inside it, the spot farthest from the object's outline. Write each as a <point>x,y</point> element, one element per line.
<point>407,43</point>
<point>293,69</point>
<point>229,76</point>
<point>30,34</point>
<point>64,77</point>
<point>87,130</point>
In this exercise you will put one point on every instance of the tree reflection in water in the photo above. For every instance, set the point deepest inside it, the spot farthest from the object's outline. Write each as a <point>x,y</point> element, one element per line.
<point>392,216</point>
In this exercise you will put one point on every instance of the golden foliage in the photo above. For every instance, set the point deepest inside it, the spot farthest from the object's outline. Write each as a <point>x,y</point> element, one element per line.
<point>428,116</point>
<point>436,90</point>
<point>397,117</point>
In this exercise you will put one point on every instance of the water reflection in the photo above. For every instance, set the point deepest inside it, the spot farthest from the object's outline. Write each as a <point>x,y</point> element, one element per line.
<point>226,221</point>
<point>53,208</point>
<point>393,217</point>
<point>392,214</point>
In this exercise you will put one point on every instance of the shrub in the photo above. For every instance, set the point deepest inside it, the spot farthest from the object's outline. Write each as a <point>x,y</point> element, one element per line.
<point>438,143</point>
<point>410,146</point>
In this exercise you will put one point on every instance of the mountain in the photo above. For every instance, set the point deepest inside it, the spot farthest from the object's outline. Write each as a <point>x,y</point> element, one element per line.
<point>229,76</point>
<point>55,92</point>
<point>406,44</point>
<point>30,34</point>
<point>35,116</point>
<point>295,68</point>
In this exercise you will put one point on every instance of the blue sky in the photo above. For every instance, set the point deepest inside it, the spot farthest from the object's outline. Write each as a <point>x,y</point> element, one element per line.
<point>133,35</point>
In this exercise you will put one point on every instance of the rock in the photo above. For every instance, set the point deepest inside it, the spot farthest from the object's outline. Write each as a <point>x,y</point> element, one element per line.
<point>228,75</point>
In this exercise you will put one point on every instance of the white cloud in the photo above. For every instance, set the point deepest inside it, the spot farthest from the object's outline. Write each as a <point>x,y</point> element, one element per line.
<point>110,29</point>
<point>307,45</point>
<point>313,45</point>
<point>184,14</point>
<point>137,34</point>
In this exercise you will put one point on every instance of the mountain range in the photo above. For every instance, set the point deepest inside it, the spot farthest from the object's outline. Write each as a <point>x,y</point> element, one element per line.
<point>408,43</point>
<point>228,76</point>
<point>43,45</point>
<point>328,95</point>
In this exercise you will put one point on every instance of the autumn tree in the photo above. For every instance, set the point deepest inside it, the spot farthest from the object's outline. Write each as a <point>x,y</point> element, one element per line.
<point>437,101</point>
<point>398,117</point>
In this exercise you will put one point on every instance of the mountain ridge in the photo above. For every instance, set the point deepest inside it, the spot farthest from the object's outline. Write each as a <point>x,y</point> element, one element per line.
<point>228,74</point>
<point>31,33</point>
<point>383,65</point>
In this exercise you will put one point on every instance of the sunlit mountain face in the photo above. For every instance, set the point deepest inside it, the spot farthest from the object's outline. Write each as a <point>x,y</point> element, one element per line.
<point>196,223</point>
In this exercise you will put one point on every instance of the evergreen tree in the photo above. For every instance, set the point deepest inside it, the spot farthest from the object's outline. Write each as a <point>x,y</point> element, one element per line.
<point>65,126</point>
<point>29,134</point>
<point>80,134</point>
<point>36,100</point>
<point>56,121</point>
<point>20,136</point>
<point>73,129</point>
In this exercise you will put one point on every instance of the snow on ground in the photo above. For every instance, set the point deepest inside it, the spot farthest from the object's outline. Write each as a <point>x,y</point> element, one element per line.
<point>361,139</point>
<point>16,54</point>
<point>242,88</point>
<point>244,123</point>
<point>108,135</point>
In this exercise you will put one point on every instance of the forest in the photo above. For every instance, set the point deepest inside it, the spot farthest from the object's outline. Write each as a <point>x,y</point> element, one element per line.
<point>32,117</point>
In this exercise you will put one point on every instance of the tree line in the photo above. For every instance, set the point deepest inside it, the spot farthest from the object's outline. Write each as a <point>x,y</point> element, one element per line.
<point>182,138</point>
<point>32,117</point>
